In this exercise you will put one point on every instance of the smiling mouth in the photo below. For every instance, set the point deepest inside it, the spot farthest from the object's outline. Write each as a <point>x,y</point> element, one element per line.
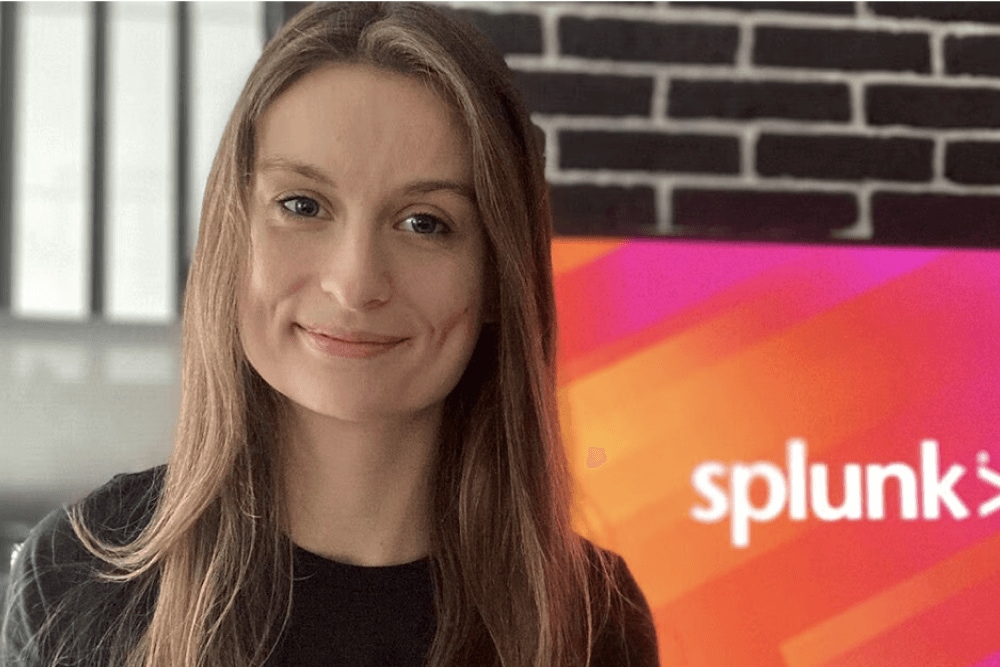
<point>350,344</point>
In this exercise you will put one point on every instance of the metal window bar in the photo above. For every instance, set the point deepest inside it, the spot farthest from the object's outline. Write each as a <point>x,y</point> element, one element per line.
<point>182,30</point>
<point>8,50</point>
<point>98,127</point>
<point>99,148</point>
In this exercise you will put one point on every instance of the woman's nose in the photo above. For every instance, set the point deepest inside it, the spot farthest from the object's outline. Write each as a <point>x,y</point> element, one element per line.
<point>356,272</point>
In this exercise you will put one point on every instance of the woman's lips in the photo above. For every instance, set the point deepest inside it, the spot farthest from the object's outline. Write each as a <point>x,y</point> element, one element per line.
<point>351,345</point>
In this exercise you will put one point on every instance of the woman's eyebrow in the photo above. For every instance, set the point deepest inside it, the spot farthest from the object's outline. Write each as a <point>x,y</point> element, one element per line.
<point>309,171</point>
<point>319,175</point>
<point>458,187</point>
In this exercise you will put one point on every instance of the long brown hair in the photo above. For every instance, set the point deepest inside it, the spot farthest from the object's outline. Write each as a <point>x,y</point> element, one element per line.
<point>514,584</point>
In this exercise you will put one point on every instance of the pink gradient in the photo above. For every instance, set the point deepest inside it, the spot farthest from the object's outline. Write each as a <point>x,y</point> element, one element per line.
<point>862,351</point>
<point>640,285</point>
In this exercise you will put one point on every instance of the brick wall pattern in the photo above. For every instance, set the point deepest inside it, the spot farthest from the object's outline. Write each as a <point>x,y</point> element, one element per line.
<point>877,121</point>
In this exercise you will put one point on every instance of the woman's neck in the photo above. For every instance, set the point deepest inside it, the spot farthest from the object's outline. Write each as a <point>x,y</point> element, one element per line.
<point>361,493</point>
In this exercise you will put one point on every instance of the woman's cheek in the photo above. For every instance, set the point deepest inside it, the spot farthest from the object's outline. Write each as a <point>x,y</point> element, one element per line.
<point>281,265</point>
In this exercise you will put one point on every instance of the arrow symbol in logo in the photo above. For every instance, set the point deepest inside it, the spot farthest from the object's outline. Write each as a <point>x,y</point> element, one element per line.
<point>993,478</point>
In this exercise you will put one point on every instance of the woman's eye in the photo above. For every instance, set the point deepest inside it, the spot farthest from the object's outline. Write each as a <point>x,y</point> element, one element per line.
<point>423,223</point>
<point>302,206</point>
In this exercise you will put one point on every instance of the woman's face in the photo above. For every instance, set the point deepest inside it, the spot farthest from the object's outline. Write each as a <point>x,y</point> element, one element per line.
<point>363,297</point>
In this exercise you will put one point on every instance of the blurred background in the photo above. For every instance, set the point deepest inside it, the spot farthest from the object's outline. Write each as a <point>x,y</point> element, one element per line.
<point>109,118</point>
<point>854,122</point>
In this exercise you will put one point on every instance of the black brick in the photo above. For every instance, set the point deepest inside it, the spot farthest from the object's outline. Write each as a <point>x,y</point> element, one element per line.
<point>936,219</point>
<point>838,8</point>
<point>972,55</point>
<point>649,151</point>
<point>925,106</point>
<point>587,94</point>
<point>845,157</point>
<point>658,42</point>
<point>744,100</point>
<point>609,211</point>
<point>984,12</point>
<point>759,214</point>
<point>510,33</point>
<point>853,50</point>
<point>973,162</point>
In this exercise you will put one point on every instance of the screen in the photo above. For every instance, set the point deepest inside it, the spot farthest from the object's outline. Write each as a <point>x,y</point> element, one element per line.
<point>795,447</point>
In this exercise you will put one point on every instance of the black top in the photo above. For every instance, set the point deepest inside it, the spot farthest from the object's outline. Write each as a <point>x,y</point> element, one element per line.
<point>351,615</point>
<point>345,615</point>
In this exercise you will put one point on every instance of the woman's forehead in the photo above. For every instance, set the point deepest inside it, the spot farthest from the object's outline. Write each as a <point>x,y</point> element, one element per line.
<point>351,119</point>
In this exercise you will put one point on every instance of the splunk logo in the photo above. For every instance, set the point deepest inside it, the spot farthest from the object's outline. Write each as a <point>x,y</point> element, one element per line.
<point>803,488</point>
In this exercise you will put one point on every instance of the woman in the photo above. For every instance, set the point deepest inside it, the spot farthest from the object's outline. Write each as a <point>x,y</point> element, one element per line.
<point>367,468</point>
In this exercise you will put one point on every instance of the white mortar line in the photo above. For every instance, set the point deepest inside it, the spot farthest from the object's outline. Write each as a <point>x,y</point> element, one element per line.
<point>937,173</point>
<point>661,93</point>
<point>664,206</point>
<point>551,148</point>
<point>550,35</point>
<point>756,74</point>
<point>863,19</point>
<point>937,53</point>
<point>856,91</point>
<point>943,188</point>
<point>776,184</point>
<point>862,227</point>
<point>748,154</point>
<point>723,126</point>
<point>744,47</point>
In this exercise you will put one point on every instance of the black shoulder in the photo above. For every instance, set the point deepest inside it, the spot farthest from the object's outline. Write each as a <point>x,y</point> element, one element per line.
<point>118,511</point>
<point>53,573</point>
<point>628,638</point>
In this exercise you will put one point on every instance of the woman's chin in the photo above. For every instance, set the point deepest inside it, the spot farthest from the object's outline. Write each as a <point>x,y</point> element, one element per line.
<point>356,410</point>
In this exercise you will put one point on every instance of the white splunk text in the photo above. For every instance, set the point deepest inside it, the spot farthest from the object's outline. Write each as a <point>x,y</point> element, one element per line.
<point>802,489</point>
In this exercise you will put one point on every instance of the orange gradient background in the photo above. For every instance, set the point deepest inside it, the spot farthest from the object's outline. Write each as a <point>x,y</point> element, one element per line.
<point>673,353</point>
